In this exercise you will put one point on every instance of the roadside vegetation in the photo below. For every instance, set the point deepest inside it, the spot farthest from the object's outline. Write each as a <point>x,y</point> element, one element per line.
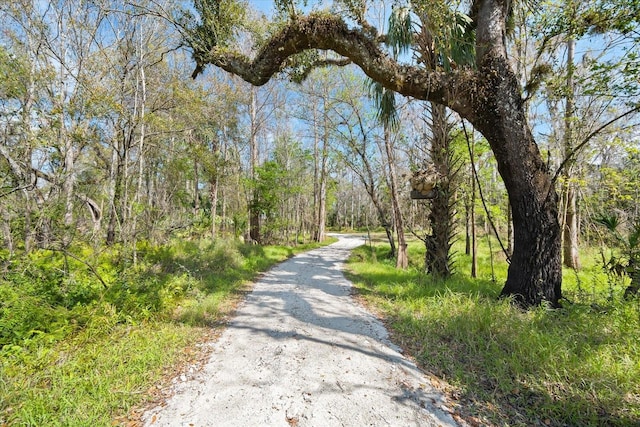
<point>82,343</point>
<point>579,365</point>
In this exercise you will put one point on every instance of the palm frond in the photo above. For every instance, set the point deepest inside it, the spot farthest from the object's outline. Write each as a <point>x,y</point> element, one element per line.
<point>400,35</point>
<point>609,221</point>
<point>385,101</point>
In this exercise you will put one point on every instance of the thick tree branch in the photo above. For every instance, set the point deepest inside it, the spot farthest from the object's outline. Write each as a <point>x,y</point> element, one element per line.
<point>326,32</point>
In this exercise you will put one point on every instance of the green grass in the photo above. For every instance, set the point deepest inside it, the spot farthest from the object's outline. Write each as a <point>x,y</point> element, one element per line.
<point>77,353</point>
<point>91,378</point>
<point>576,366</point>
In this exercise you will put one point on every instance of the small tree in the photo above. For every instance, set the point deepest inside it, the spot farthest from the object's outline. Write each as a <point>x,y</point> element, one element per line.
<point>629,261</point>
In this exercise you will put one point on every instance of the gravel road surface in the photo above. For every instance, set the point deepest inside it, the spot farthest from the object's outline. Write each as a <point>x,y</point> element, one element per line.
<point>300,351</point>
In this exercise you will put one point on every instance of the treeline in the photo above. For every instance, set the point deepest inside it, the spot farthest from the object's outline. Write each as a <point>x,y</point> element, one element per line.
<point>107,140</point>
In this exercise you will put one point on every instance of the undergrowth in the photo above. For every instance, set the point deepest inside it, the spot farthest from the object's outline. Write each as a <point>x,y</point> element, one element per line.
<point>85,334</point>
<point>577,366</point>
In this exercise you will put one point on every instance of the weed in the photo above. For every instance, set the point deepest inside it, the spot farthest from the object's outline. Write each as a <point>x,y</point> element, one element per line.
<point>575,366</point>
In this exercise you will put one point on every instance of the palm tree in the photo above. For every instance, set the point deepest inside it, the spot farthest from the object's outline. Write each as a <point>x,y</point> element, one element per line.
<point>443,39</point>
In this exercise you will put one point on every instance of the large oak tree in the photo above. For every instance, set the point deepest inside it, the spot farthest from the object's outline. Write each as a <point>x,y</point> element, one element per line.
<point>487,94</point>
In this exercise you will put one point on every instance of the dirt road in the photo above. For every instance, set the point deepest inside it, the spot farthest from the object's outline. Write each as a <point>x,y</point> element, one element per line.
<point>301,352</point>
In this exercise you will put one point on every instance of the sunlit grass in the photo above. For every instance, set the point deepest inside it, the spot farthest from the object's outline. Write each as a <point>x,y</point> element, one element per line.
<point>91,378</point>
<point>575,366</point>
<point>102,358</point>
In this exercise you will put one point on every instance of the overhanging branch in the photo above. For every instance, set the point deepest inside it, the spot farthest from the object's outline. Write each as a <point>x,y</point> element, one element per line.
<point>327,32</point>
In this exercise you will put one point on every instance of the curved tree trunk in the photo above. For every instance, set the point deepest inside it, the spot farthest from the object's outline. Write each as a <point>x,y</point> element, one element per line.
<point>535,273</point>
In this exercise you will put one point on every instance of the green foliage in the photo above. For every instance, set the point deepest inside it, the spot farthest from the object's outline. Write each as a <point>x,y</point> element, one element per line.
<point>574,366</point>
<point>91,378</point>
<point>279,187</point>
<point>612,15</point>
<point>451,32</point>
<point>353,9</point>
<point>270,175</point>
<point>215,25</point>
<point>628,264</point>
<point>12,74</point>
<point>613,73</point>
<point>73,352</point>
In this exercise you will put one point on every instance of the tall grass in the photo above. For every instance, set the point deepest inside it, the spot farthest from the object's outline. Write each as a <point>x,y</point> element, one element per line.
<point>576,366</point>
<point>83,350</point>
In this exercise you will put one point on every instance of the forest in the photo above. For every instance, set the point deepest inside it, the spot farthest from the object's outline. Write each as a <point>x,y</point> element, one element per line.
<point>156,155</point>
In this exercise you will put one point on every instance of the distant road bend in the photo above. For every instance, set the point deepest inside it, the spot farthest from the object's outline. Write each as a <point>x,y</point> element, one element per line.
<point>300,351</point>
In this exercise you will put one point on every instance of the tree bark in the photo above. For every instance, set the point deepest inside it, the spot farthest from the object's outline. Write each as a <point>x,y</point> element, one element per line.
<point>116,190</point>
<point>402,260</point>
<point>213,193</point>
<point>509,231</point>
<point>214,183</point>
<point>441,215</point>
<point>472,209</point>
<point>570,229</point>
<point>254,214</point>
<point>489,96</point>
<point>316,173</point>
<point>535,273</point>
<point>141,79</point>
<point>319,233</point>
<point>7,237</point>
<point>196,190</point>
<point>571,257</point>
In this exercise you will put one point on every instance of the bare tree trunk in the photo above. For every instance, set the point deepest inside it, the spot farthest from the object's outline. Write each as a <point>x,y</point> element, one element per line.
<point>213,191</point>
<point>316,174</point>
<point>115,197</point>
<point>571,257</point>
<point>28,135</point>
<point>467,225</point>
<point>402,260</point>
<point>254,214</point>
<point>472,210</point>
<point>223,202</point>
<point>509,230</point>
<point>535,275</point>
<point>196,189</point>
<point>65,143</point>
<point>319,234</point>
<point>570,229</point>
<point>6,229</point>
<point>141,140</point>
<point>379,208</point>
<point>322,209</point>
